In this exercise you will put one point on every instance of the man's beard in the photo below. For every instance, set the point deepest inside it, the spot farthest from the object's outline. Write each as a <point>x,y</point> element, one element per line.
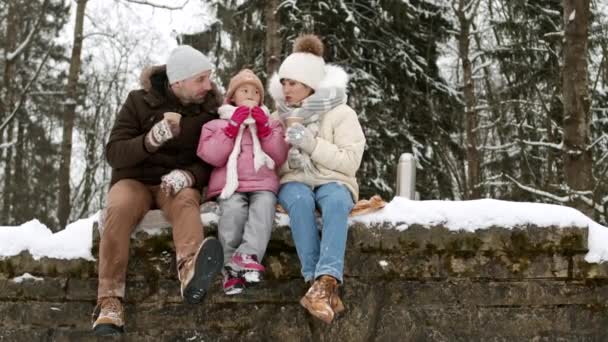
<point>198,100</point>
<point>192,99</point>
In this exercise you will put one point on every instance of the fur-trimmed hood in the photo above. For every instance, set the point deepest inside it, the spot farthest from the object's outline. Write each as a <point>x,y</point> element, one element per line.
<point>153,79</point>
<point>335,77</point>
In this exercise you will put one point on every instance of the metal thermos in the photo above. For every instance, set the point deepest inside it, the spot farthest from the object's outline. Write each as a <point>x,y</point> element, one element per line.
<point>406,176</point>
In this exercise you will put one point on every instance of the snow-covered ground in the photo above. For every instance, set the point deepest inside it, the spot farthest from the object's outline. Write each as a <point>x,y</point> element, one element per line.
<point>26,277</point>
<point>76,240</point>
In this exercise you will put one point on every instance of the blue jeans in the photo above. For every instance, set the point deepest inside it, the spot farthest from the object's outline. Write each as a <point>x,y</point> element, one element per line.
<point>318,255</point>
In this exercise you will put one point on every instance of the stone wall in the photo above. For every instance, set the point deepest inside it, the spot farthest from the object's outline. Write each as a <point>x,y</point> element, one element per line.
<point>420,284</point>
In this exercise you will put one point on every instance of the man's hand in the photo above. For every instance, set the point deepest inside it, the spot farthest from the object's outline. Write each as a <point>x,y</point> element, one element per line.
<point>176,180</point>
<point>299,136</point>
<point>173,118</point>
<point>163,131</point>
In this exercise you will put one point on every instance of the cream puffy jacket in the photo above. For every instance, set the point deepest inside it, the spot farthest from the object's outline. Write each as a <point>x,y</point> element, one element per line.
<point>337,156</point>
<point>340,144</point>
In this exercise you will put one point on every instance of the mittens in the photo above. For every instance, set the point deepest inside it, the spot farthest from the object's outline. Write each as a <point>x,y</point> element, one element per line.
<point>261,122</point>
<point>164,130</point>
<point>299,136</point>
<point>240,114</point>
<point>176,180</point>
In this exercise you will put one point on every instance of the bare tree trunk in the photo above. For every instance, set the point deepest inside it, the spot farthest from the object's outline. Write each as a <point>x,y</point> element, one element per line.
<point>10,39</point>
<point>68,117</point>
<point>20,210</point>
<point>465,10</point>
<point>273,41</point>
<point>605,66</point>
<point>577,120</point>
<point>8,179</point>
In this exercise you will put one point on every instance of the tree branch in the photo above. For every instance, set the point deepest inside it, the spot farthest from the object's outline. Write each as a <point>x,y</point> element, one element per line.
<point>8,144</point>
<point>25,90</point>
<point>151,4</point>
<point>562,199</point>
<point>10,56</point>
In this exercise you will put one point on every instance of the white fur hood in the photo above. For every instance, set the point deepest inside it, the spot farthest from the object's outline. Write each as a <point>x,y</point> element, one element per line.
<point>335,77</point>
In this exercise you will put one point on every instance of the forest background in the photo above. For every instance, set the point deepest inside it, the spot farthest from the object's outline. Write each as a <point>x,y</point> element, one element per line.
<point>504,99</point>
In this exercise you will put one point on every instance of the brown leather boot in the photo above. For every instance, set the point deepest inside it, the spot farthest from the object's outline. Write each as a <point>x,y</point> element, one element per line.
<point>110,320</point>
<point>322,300</point>
<point>197,273</point>
<point>336,302</point>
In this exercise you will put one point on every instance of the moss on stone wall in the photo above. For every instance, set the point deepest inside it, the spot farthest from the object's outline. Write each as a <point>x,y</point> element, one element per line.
<point>418,284</point>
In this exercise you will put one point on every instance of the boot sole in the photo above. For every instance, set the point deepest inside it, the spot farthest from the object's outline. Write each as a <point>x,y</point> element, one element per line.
<point>208,264</point>
<point>108,330</point>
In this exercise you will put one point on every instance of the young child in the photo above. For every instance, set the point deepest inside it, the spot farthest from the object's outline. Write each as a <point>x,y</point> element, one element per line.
<point>245,146</point>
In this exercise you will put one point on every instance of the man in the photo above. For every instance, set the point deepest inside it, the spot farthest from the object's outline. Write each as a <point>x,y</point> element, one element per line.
<point>152,151</point>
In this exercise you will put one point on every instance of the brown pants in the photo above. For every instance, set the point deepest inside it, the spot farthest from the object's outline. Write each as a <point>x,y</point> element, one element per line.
<point>127,202</point>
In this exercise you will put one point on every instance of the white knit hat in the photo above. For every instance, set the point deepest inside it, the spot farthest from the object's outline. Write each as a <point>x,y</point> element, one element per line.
<point>185,62</point>
<point>305,64</point>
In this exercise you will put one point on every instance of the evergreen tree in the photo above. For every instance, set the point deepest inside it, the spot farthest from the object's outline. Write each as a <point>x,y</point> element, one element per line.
<point>389,49</point>
<point>30,100</point>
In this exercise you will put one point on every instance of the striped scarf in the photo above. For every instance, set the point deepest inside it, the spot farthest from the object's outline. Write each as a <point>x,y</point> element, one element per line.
<point>322,101</point>
<point>311,109</point>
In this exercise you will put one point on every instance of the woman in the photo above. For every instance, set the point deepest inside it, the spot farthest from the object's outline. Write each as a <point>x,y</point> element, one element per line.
<point>325,154</point>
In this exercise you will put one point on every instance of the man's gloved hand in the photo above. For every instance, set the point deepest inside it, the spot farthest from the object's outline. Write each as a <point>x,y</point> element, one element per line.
<point>261,122</point>
<point>176,180</point>
<point>164,130</point>
<point>299,136</point>
<point>240,114</point>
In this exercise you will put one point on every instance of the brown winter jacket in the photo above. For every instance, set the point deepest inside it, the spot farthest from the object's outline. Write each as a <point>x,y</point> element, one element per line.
<point>143,108</point>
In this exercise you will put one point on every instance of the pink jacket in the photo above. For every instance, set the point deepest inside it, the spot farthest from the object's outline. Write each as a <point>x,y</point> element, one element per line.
<point>214,147</point>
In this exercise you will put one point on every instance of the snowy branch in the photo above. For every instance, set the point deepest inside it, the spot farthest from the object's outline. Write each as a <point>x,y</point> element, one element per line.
<point>561,199</point>
<point>488,125</point>
<point>497,147</point>
<point>557,34</point>
<point>601,160</point>
<point>8,144</point>
<point>152,4</point>
<point>572,194</point>
<point>551,12</point>
<point>590,202</point>
<point>25,90</point>
<point>604,136</point>
<point>482,66</point>
<point>557,147</point>
<point>48,93</point>
<point>10,56</point>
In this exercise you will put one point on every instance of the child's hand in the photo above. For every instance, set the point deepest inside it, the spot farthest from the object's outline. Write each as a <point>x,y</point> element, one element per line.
<point>258,115</point>
<point>261,122</point>
<point>240,114</point>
